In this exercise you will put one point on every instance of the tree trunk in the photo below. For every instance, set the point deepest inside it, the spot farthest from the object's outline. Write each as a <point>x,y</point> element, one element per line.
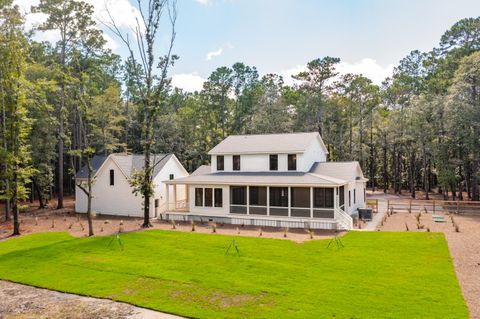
<point>425,173</point>
<point>475,190</point>
<point>89,198</point>
<point>39,194</point>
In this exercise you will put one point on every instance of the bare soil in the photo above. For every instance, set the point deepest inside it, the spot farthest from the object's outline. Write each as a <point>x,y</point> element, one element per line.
<point>65,220</point>
<point>25,302</point>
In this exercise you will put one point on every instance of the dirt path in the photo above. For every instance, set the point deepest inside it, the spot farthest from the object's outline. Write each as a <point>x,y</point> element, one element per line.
<point>25,302</point>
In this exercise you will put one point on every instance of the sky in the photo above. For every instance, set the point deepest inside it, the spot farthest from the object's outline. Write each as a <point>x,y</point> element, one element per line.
<point>281,36</point>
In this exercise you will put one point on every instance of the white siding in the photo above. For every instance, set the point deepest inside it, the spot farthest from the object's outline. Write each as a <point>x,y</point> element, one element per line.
<point>173,166</point>
<point>211,211</point>
<point>313,153</point>
<point>119,199</point>
<point>261,162</point>
<point>110,200</point>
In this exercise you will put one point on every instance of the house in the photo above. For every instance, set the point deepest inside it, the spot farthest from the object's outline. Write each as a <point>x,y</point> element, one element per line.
<point>278,180</point>
<point>112,194</point>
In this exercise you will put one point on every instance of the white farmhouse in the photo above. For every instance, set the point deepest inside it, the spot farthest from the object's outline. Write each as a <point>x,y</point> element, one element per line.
<point>112,194</point>
<point>278,180</point>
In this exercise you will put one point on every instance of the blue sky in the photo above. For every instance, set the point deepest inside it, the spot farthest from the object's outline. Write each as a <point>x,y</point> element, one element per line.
<point>281,36</point>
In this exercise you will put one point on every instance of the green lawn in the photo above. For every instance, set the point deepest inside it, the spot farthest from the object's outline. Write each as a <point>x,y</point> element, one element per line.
<point>376,275</point>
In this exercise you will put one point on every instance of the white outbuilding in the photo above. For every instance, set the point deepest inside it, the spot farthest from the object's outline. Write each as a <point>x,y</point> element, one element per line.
<point>112,193</point>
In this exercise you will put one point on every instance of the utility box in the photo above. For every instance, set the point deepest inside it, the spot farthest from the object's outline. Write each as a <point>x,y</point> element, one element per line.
<point>365,213</point>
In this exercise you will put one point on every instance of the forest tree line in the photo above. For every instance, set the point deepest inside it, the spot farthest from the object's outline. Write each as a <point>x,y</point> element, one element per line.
<point>63,102</point>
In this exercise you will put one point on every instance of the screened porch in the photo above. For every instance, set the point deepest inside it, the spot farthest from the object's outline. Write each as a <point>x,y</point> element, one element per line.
<point>287,201</point>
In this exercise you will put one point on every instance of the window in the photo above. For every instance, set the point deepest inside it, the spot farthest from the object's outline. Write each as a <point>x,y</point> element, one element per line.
<point>258,196</point>
<point>220,163</point>
<point>349,198</point>
<point>156,203</point>
<point>342,196</point>
<point>171,176</point>
<point>238,195</point>
<point>199,197</point>
<point>218,197</point>
<point>354,196</point>
<point>236,162</point>
<point>279,196</point>
<point>292,162</point>
<point>323,197</point>
<point>274,162</point>
<point>112,177</point>
<point>300,197</point>
<point>208,197</point>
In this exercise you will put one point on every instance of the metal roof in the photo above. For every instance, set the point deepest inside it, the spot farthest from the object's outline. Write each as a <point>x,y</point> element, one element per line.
<point>128,163</point>
<point>267,143</point>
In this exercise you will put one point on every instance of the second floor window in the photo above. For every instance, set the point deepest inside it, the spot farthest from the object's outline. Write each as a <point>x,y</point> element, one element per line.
<point>236,162</point>
<point>220,163</point>
<point>274,162</point>
<point>112,177</point>
<point>292,162</point>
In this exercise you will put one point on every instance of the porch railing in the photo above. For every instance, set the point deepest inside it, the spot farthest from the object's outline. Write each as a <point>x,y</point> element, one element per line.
<point>345,221</point>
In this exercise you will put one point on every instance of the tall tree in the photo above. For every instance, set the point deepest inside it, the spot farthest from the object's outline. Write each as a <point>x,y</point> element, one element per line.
<point>150,85</point>
<point>73,19</point>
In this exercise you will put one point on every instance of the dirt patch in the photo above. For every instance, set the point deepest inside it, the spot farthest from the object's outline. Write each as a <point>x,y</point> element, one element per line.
<point>464,245</point>
<point>35,220</point>
<point>24,302</point>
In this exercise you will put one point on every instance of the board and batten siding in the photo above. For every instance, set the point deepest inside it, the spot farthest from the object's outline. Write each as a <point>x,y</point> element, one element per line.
<point>173,166</point>
<point>118,199</point>
<point>110,200</point>
<point>261,162</point>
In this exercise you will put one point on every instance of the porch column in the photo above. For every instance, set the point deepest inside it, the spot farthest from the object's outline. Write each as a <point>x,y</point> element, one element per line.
<point>187,195</point>
<point>175,195</point>
<point>248,200</point>
<point>167,197</point>
<point>289,201</point>
<point>268,200</point>
<point>311,202</point>
<point>335,202</point>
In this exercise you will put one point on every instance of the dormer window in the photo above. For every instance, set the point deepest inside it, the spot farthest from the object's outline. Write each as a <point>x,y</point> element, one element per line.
<point>220,163</point>
<point>292,162</point>
<point>273,162</point>
<point>236,162</point>
<point>112,177</point>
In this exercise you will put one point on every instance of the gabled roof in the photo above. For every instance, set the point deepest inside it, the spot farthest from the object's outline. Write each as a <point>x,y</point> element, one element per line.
<point>348,171</point>
<point>127,163</point>
<point>267,143</point>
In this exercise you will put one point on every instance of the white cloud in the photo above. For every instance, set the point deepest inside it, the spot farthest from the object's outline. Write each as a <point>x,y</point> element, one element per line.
<point>204,2</point>
<point>189,82</point>
<point>211,55</point>
<point>367,67</point>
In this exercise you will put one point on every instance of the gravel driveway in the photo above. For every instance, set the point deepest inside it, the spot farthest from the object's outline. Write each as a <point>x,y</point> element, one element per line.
<point>25,302</point>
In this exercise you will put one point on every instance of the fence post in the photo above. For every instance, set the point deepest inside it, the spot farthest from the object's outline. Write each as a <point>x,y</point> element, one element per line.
<point>388,205</point>
<point>410,209</point>
<point>434,206</point>
<point>458,207</point>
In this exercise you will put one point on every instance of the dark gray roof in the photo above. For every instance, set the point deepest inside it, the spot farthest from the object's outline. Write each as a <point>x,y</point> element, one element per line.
<point>203,175</point>
<point>348,171</point>
<point>97,161</point>
<point>128,163</point>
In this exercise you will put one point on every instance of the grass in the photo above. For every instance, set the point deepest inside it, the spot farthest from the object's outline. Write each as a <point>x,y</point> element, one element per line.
<point>377,274</point>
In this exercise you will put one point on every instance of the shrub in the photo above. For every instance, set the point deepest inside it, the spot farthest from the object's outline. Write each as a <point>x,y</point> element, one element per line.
<point>285,231</point>
<point>406,227</point>
<point>238,231</point>
<point>457,229</point>
<point>214,227</point>
<point>53,223</point>
<point>261,233</point>
<point>193,225</point>
<point>173,224</point>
